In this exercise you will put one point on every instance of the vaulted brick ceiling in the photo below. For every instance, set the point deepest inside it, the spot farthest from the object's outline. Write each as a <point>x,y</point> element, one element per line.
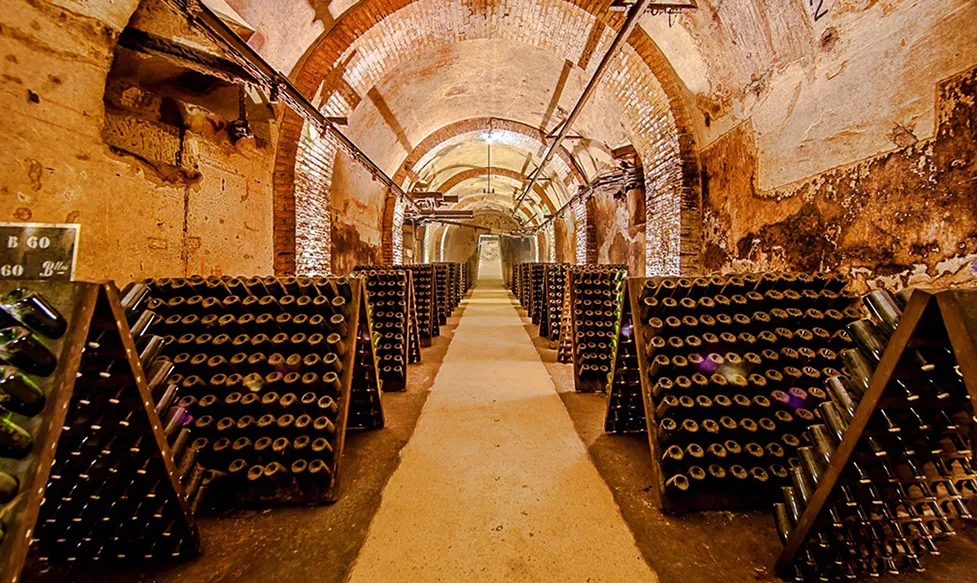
<point>399,90</point>
<point>401,70</point>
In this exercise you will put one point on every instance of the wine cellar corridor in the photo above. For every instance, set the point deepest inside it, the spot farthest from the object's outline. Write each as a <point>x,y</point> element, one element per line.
<point>478,291</point>
<point>495,482</point>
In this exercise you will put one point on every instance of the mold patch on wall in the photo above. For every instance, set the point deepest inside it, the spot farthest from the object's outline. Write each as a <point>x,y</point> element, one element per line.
<point>902,218</point>
<point>617,242</point>
<point>349,250</point>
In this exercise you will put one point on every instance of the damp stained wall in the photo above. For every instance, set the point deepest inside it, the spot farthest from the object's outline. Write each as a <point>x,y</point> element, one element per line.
<point>905,217</point>
<point>139,218</point>
<point>357,203</point>
<point>833,135</point>
<point>616,240</point>
<point>564,232</point>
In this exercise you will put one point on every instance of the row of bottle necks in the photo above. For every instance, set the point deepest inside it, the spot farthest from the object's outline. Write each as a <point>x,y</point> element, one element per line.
<point>218,450</point>
<point>758,282</point>
<point>294,371</point>
<point>755,323</point>
<point>166,288</point>
<point>674,337</point>
<point>224,345</point>
<point>305,286</point>
<point>254,305</point>
<point>291,406</point>
<point>790,301</point>
<point>691,367</point>
<point>597,292</point>
<point>381,304</point>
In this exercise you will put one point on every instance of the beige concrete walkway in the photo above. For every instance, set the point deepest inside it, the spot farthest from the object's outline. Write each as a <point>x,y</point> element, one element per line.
<point>495,484</point>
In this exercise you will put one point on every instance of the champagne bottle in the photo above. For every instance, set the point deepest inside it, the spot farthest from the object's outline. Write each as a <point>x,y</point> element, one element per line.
<point>19,348</point>
<point>35,312</point>
<point>15,442</point>
<point>782,522</point>
<point>19,393</point>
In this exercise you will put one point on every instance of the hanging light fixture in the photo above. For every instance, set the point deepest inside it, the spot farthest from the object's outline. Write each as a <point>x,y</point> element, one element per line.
<point>239,128</point>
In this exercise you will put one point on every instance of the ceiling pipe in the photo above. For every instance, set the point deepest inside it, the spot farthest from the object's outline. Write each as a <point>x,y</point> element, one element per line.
<point>457,224</point>
<point>280,87</point>
<point>629,25</point>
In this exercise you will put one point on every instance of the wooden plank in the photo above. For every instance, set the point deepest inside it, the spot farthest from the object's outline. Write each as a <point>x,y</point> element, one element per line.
<point>959,311</point>
<point>636,286</point>
<point>76,302</point>
<point>109,294</point>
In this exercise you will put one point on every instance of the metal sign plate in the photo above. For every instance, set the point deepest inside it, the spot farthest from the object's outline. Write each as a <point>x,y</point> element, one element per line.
<point>44,251</point>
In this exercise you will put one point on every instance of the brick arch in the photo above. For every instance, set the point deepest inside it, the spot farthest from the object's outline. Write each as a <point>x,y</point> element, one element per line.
<point>438,234</point>
<point>472,173</point>
<point>474,200</point>
<point>665,139</point>
<point>482,124</point>
<point>564,160</point>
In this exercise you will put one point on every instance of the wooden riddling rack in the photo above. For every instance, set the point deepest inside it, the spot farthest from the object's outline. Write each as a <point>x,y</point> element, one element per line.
<point>730,369</point>
<point>529,287</point>
<point>413,326</point>
<point>900,479</point>
<point>98,480</point>
<point>520,283</point>
<point>595,300</point>
<point>265,366</point>
<point>443,286</point>
<point>425,301</point>
<point>394,316</point>
<point>470,271</point>
<point>554,292</point>
<point>365,400</point>
<point>564,348</point>
<point>625,404</point>
<point>453,283</point>
<point>537,299</point>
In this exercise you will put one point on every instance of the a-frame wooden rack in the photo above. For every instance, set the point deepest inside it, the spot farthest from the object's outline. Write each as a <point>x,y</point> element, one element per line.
<point>933,322</point>
<point>607,282</point>
<point>98,441</point>
<point>409,351</point>
<point>625,404</point>
<point>425,301</point>
<point>266,305</point>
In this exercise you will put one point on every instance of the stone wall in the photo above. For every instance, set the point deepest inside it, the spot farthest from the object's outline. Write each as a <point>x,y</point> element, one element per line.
<point>357,205</point>
<point>565,235</point>
<point>617,242</point>
<point>154,182</point>
<point>905,217</point>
